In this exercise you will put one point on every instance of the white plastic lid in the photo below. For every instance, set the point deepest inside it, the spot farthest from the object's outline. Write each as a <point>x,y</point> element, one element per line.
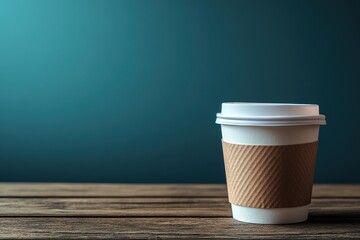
<point>269,114</point>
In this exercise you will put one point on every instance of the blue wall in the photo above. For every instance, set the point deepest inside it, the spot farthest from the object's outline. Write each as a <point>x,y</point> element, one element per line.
<point>127,90</point>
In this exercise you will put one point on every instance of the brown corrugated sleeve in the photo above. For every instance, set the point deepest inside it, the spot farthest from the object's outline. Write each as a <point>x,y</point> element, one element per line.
<point>270,176</point>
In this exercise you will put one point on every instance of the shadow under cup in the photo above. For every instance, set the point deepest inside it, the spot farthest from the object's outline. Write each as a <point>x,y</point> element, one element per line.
<point>269,154</point>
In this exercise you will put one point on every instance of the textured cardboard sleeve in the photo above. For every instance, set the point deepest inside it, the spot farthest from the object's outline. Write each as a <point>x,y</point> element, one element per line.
<point>270,176</point>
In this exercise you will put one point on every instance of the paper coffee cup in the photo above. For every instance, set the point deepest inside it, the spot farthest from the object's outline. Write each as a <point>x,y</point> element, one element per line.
<point>269,153</point>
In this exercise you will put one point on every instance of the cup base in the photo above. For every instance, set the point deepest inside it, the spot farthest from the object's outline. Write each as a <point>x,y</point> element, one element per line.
<point>270,215</point>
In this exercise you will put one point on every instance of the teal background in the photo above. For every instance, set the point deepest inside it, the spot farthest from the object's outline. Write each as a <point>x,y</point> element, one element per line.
<point>127,90</point>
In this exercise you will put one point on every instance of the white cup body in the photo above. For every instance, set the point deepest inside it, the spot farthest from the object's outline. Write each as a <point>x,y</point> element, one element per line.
<point>270,124</point>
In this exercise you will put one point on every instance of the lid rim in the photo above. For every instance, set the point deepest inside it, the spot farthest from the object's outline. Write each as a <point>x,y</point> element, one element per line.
<point>269,114</point>
<point>260,122</point>
<point>271,118</point>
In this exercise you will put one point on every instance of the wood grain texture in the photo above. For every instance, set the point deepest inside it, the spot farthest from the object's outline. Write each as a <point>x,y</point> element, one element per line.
<point>149,207</point>
<point>110,190</point>
<point>148,190</point>
<point>170,228</point>
<point>120,207</point>
<point>153,211</point>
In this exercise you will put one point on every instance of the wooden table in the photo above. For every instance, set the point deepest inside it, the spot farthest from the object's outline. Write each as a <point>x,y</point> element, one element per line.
<point>108,211</point>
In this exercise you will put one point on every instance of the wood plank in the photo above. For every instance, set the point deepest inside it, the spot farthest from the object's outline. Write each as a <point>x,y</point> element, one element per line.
<point>336,190</point>
<point>148,190</point>
<point>150,207</point>
<point>316,227</point>
<point>110,190</point>
<point>122,207</point>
